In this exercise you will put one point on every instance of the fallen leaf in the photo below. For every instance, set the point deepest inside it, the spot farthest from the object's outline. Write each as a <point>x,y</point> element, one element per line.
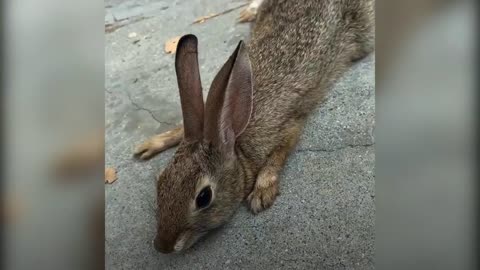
<point>171,45</point>
<point>110,175</point>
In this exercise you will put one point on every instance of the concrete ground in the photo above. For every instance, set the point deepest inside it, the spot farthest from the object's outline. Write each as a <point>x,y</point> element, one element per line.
<point>325,215</point>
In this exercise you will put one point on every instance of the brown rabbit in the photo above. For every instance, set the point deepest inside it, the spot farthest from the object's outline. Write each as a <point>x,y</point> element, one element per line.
<point>234,147</point>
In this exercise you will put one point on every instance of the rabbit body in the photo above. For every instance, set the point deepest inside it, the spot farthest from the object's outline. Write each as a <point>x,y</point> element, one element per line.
<point>298,49</point>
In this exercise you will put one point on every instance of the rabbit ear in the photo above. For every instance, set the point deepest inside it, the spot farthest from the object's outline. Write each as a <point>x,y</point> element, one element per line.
<point>190,87</point>
<point>229,102</point>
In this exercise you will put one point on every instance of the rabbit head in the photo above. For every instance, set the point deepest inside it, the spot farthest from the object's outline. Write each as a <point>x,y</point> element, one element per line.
<point>203,185</point>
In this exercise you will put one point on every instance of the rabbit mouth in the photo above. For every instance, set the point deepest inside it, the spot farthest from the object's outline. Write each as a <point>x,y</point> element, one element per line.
<point>186,240</point>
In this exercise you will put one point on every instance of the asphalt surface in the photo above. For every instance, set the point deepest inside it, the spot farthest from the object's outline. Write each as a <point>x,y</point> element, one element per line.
<point>325,215</point>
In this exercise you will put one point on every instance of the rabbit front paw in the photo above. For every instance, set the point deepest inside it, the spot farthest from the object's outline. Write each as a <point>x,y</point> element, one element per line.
<point>159,143</point>
<point>264,193</point>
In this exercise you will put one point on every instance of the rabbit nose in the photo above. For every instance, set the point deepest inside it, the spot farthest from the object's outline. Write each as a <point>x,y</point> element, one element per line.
<point>162,245</point>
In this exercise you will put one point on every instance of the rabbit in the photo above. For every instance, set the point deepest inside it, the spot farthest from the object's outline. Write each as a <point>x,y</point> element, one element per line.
<point>233,147</point>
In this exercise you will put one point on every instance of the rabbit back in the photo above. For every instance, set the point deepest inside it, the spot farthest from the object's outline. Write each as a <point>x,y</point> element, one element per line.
<point>298,49</point>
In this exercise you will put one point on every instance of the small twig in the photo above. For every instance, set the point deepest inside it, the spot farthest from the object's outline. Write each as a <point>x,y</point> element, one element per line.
<point>204,18</point>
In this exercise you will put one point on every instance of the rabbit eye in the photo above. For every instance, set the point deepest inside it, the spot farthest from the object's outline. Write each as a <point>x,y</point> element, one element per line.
<point>204,197</point>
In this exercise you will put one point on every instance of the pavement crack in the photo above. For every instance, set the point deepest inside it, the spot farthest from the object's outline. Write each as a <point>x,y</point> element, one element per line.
<point>112,27</point>
<point>334,149</point>
<point>138,107</point>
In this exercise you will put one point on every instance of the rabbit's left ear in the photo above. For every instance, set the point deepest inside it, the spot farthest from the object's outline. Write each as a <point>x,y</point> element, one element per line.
<point>190,87</point>
<point>230,100</point>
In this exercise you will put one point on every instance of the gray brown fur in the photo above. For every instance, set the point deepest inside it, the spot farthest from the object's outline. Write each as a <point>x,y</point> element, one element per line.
<point>298,49</point>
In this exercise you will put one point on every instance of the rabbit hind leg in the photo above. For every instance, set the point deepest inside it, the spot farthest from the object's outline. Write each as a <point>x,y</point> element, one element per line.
<point>250,12</point>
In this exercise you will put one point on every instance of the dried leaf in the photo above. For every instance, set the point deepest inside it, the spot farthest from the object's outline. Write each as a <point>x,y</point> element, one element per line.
<point>171,45</point>
<point>110,175</point>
